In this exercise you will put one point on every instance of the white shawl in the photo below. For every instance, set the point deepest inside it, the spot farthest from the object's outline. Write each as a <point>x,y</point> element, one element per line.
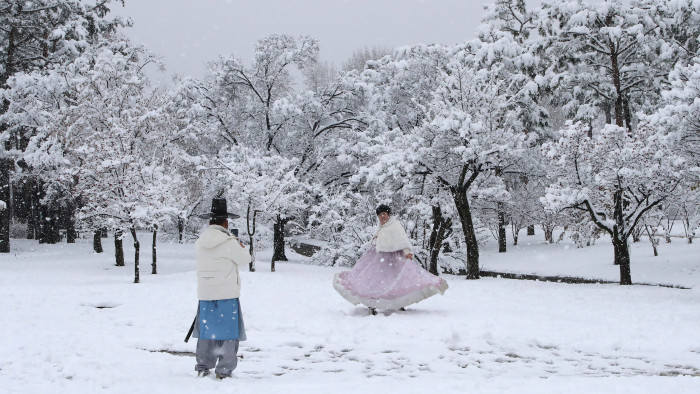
<point>391,237</point>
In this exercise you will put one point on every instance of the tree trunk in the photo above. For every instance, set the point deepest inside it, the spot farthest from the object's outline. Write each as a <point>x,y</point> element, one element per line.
<point>97,242</point>
<point>628,113</point>
<point>250,228</point>
<point>501,227</point>
<point>33,213</point>
<point>622,258</point>
<point>607,111</point>
<point>459,194</point>
<point>50,233</point>
<point>251,250</point>
<point>180,228</point>
<point>278,253</point>
<point>119,248</point>
<point>5,169</point>
<point>619,239</point>
<point>154,271</point>
<point>71,234</point>
<point>636,234</point>
<point>618,227</point>
<point>688,229</point>
<point>615,68</point>
<point>137,249</point>
<point>55,230</point>
<point>654,242</point>
<point>442,227</point>
<point>531,229</point>
<point>31,220</point>
<point>548,233</point>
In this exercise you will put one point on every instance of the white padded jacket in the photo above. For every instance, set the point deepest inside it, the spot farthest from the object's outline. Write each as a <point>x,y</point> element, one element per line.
<point>218,256</point>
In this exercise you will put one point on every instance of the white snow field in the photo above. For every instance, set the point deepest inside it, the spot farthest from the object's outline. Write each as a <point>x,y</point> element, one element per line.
<point>72,322</point>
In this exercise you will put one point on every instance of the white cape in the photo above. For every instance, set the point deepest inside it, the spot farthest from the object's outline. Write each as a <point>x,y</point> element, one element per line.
<point>391,237</point>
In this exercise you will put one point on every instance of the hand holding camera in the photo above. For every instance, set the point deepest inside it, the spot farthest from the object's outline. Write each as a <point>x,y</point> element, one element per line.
<point>234,231</point>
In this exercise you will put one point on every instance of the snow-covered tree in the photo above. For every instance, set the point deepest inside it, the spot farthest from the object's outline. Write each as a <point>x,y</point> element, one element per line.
<point>343,220</point>
<point>198,130</point>
<point>679,116</point>
<point>37,33</point>
<point>473,132</point>
<point>263,187</point>
<point>508,41</point>
<point>265,87</point>
<point>680,27</point>
<point>523,206</point>
<point>39,102</point>
<point>34,35</point>
<point>119,167</point>
<point>615,177</point>
<point>360,57</point>
<point>392,95</point>
<point>687,204</point>
<point>605,58</point>
<point>101,133</point>
<point>680,112</point>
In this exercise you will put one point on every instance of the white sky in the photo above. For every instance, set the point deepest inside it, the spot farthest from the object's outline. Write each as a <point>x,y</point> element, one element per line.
<point>189,33</point>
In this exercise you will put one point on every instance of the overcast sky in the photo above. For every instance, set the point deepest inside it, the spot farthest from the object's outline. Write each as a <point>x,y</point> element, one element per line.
<point>189,33</point>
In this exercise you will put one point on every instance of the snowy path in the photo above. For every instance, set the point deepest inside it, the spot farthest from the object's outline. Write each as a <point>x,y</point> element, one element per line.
<point>77,325</point>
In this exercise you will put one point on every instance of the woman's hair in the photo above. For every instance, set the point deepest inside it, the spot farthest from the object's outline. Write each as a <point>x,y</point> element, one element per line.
<point>383,208</point>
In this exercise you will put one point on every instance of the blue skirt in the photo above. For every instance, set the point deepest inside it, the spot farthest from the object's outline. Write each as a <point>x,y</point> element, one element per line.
<point>220,320</point>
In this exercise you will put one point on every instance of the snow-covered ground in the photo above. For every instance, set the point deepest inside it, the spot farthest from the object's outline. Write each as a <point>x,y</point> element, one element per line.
<point>74,323</point>
<point>678,263</point>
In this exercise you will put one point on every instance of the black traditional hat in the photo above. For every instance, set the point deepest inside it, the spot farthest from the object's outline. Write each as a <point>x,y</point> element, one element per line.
<point>219,210</point>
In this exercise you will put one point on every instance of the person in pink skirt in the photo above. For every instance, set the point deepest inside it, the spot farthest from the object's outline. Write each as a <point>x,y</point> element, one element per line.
<point>385,276</point>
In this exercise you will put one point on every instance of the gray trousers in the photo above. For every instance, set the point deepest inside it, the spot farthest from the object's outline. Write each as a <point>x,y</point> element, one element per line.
<point>209,351</point>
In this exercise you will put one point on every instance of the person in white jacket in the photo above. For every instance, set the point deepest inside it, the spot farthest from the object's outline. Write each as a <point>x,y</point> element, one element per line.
<point>219,324</point>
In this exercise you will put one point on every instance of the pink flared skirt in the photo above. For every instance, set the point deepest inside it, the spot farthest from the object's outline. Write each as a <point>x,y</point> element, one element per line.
<point>387,280</point>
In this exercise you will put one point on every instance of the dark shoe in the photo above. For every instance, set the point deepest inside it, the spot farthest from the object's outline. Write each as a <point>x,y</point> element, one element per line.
<point>402,309</point>
<point>220,376</point>
<point>203,373</point>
